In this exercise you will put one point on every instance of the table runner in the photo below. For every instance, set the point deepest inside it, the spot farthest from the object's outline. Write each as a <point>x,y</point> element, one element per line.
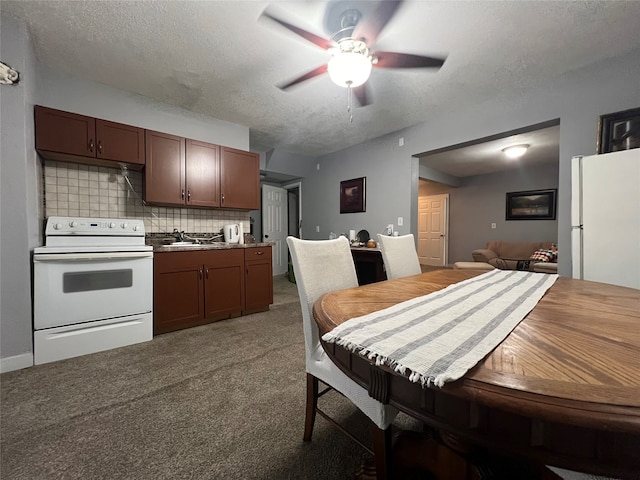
<point>438,337</point>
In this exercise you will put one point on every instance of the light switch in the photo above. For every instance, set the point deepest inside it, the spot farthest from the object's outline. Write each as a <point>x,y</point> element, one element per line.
<point>400,221</point>
<point>493,225</point>
<point>317,228</point>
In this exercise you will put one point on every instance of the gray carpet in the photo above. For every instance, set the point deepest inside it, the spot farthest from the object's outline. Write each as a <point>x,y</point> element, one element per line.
<point>221,401</point>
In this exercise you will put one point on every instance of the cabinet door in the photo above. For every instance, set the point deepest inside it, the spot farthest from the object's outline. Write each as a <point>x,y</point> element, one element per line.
<point>64,132</point>
<point>119,142</point>
<point>164,169</point>
<point>178,300</point>
<point>224,284</point>
<point>202,174</point>
<point>239,179</point>
<point>258,279</point>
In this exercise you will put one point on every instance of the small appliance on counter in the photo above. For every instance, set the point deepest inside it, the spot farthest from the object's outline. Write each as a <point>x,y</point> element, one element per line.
<point>233,233</point>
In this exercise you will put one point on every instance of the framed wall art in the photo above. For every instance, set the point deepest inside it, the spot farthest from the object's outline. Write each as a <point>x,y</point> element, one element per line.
<point>531,205</point>
<point>353,195</point>
<point>619,131</point>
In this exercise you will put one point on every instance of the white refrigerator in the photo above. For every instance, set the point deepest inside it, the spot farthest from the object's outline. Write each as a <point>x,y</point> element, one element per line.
<point>605,218</point>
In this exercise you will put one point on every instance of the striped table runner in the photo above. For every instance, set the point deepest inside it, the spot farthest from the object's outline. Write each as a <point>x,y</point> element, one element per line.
<point>438,337</point>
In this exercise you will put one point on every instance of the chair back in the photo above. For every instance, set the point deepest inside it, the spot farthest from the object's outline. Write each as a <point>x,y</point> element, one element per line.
<point>399,256</point>
<point>320,266</point>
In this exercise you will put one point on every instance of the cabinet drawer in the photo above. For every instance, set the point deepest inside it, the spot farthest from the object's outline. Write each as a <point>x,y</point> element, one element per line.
<point>257,253</point>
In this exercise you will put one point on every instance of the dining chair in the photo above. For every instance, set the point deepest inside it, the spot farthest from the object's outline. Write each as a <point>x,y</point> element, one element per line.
<point>399,256</point>
<point>322,266</point>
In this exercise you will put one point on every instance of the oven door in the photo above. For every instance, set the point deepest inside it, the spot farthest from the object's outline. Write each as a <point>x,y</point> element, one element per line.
<point>71,288</point>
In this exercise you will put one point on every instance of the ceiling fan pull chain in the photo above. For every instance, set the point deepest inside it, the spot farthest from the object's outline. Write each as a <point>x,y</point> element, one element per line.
<point>349,102</point>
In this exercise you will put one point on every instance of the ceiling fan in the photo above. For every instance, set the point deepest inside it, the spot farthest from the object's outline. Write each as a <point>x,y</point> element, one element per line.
<point>352,57</point>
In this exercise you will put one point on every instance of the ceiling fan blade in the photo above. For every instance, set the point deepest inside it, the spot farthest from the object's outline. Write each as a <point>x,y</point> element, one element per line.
<point>370,25</point>
<point>313,73</point>
<point>406,60</point>
<point>362,95</point>
<point>321,42</point>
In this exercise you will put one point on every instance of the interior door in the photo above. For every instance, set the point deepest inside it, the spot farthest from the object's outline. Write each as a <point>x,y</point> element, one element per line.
<point>432,230</point>
<point>275,224</point>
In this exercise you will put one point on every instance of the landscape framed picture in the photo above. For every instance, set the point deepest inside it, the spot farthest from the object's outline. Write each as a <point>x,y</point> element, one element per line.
<point>353,195</point>
<point>619,131</point>
<point>531,205</point>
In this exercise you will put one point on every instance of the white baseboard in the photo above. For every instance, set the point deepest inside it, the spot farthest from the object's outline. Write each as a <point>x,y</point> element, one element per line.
<point>17,362</point>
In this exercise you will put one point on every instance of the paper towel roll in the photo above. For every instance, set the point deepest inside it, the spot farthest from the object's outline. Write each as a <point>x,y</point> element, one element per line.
<point>352,235</point>
<point>241,233</point>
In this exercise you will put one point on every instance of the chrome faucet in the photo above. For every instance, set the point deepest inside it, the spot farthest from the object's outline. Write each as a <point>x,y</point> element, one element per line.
<point>179,235</point>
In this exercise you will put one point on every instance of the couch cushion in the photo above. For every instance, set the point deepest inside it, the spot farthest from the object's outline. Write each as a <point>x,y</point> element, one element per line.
<point>516,250</point>
<point>543,255</point>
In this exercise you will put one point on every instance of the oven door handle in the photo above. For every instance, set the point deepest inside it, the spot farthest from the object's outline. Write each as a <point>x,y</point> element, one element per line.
<point>85,257</point>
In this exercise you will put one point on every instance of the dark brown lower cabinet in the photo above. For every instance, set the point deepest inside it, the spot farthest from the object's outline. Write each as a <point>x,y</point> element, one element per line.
<point>258,279</point>
<point>194,288</point>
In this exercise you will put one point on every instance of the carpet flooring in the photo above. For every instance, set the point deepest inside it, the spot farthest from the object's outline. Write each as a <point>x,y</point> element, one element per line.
<point>220,401</point>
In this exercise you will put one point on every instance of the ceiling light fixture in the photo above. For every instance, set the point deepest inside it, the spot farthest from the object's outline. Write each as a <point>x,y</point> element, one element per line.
<point>515,151</point>
<point>350,66</point>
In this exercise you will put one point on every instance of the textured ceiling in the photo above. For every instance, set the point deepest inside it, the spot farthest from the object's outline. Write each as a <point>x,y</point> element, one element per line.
<point>219,59</point>
<point>486,156</point>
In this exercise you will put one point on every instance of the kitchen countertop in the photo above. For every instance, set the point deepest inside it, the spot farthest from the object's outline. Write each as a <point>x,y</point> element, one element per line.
<point>163,248</point>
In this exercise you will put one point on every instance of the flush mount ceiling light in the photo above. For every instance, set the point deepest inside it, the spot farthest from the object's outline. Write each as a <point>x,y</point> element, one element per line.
<point>515,151</point>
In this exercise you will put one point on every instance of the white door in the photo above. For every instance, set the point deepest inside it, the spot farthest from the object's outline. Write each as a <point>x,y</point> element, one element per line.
<point>432,230</point>
<point>274,225</point>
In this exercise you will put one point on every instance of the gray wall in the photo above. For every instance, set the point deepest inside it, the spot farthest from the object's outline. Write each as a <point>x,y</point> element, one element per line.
<point>388,170</point>
<point>64,92</point>
<point>481,200</point>
<point>19,170</point>
<point>577,99</point>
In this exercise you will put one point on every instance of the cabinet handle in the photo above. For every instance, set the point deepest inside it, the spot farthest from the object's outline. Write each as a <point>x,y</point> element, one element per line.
<point>91,145</point>
<point>182,194</point>
<point>223,198</point>
<point>206,274</point>
<point>200,274</point>
<point>259,253</point>
<point>99,146</point>
<point>188,195</point>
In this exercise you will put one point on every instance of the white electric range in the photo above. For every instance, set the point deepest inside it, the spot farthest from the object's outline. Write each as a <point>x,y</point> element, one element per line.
<point>93,287</point>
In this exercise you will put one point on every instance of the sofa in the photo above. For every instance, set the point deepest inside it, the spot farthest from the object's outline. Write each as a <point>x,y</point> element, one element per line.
<point>530,256</point>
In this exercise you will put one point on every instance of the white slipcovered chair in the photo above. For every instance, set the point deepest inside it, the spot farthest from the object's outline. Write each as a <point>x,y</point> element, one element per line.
<point>323,266</point>
<point>399,256</point>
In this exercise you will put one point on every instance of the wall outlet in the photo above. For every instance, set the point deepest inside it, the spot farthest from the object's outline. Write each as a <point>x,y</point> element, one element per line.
<point>493,225</point>
<point>317,228</point>
<point>401,142</point>
<point>400,221</point>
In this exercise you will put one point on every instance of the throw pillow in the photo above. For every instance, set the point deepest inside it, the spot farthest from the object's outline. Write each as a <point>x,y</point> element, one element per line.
<point>543,255</point>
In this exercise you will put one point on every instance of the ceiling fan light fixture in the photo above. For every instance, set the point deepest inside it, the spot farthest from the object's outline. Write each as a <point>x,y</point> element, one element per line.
<point>515,151</point>
<point>351,65</point>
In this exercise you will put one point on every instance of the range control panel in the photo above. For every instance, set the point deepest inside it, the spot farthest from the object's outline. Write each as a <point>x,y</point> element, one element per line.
<point>94,226</point>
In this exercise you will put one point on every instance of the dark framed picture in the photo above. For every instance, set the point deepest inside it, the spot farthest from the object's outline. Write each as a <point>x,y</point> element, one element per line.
<point>531,205</point>
<point>353,195</point>
<point>619,131</point>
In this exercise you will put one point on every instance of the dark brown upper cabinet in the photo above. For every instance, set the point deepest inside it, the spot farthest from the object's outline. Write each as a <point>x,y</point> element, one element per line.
<point>77,138</point>
<point>181,172</point>
<point>164,170</point>
<point>239,179</point>
<point>184,172</point>
<point>202,174</point>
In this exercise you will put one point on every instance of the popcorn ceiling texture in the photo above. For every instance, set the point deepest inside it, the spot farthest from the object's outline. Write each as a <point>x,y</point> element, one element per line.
<point>76,190</point>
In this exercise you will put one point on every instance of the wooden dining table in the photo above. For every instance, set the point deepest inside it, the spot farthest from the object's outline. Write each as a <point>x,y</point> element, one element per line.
<point>562,389</point>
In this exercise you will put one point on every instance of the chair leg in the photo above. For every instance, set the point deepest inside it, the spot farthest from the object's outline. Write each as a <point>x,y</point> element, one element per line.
<point>311,407</point>
<point>382,451</point>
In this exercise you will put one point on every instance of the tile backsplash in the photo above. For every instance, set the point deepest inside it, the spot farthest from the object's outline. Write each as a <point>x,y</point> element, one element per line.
<point>80,190</point>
